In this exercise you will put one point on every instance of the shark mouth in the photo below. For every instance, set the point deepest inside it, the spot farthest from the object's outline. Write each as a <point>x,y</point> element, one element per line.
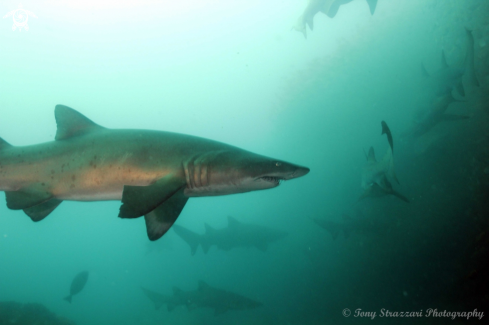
<point>272,179</point>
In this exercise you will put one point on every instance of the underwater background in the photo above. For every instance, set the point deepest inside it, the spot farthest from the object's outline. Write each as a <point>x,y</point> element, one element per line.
<point>233,71</point>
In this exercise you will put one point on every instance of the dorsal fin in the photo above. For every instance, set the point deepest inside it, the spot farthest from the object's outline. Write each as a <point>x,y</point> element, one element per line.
<point>71,123</point>
<point>444,63</point>
<point>232,222</point>
<point>208,229</point>
<point>371,155</point>
<point>4,144</point>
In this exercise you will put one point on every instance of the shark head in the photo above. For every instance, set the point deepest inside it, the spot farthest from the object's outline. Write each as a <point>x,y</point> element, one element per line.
<point>236,171</point>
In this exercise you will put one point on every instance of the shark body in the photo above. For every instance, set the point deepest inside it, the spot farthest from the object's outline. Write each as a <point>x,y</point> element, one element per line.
<point>236,234</point>
<point>205,296</point>
<point>153,173</point>
<point>349,225</point>
<point>179,298</point>
<point>377,175</point>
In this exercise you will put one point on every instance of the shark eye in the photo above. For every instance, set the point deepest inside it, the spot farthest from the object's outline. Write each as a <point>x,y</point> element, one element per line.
<point>278,163</point>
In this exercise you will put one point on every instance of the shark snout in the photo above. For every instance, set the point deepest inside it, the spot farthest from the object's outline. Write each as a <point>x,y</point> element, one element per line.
<point>299,172</point>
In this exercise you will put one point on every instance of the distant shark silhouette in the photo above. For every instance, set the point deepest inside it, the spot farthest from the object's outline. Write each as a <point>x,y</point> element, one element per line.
<point>451,77</point>
<point>445,80</point>
<point>349,225</point>
<point>327,7</point>
<point>435,114</point>
<point>204,297</point>
<point>333,9</point>
<point>154,173</point>
<point>236,234</point>
<point>182,298</point>
<point>377,175</point>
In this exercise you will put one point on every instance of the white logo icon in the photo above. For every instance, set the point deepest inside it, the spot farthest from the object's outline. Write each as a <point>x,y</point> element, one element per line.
<point>20,17</point>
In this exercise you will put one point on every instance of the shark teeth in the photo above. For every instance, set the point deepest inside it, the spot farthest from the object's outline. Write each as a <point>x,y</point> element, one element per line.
<point>272,179</point>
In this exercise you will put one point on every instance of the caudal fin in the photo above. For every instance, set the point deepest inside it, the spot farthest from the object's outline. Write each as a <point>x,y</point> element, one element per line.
<point>68,298</point>
<point>400,196</point>
<point>191,238</point>
<point>372,5</point>
<point>387,132</point>
<point>471,76</point>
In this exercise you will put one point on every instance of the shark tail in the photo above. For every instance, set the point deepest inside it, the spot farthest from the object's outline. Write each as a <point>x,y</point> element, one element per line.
<point>389,163</point>
<point>400,196</point>
<point>372,4</point>
<point>469,60</point>
<point>191,238</point>
<point>68,298</point>
<point>387,132</point>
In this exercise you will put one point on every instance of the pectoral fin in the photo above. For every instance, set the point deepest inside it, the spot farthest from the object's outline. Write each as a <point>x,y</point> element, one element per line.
<point>27,197</point>
<point>162,218</point>
<point>41,211</point>
<point>140,200</point>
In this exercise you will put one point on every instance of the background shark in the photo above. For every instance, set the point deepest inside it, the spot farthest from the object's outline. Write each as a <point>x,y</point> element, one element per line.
<point>442,84</point>
<point>204,297</point>
<point>349,225</point>
<point>327,7</point>
<point>333,10</point>
<point>222,300</point>
<point>377,175</point>
<point>152,172</point>
<point>435,114</point>
<point>236,234</point>
<point>448,78</point>
<point>159,299</point>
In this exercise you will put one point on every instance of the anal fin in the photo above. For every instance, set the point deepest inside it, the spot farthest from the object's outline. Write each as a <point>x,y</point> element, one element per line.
<point>41,211</point>
<point>162,218</point>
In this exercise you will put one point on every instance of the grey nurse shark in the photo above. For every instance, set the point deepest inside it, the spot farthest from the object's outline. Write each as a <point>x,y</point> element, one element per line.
<point>444,82</point>
<point>349,225</point>
<point>204,297</point>
<point>182,298</point>
<point>153,173</point>
<point>451,77</point>
<point>378,175</point>
<point>236,234</point>
<point>428,118</point>
<point>327,7</point>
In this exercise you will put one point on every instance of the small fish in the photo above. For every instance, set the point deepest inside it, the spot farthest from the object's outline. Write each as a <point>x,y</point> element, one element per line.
<point>77,284</point>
